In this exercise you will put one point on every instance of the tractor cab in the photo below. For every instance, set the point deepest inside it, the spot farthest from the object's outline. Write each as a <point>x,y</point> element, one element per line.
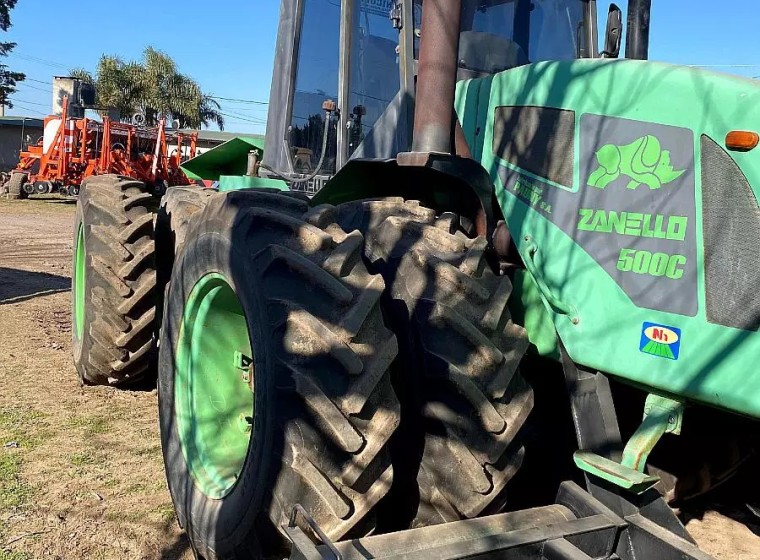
<point>364,56</point>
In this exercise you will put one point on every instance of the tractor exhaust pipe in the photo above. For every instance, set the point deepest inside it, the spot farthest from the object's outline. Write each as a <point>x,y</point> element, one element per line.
<point>637,33</point>
<point>436,76</point>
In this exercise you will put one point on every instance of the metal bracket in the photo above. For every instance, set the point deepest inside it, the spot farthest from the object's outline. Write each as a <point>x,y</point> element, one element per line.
<point>557,305</point>
<point>241,361</point>
<point>576,527</point>
<point>661,415</point>
<point>244,363</point>
<point>598,434</point>
<point>614,472</point>
<point>304,547</point>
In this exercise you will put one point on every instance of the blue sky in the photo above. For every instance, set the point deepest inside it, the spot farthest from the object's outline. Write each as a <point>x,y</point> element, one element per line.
<point>228,45</point>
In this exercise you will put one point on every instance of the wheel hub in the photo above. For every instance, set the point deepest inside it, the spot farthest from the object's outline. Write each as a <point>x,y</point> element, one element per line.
<point>213,386</point>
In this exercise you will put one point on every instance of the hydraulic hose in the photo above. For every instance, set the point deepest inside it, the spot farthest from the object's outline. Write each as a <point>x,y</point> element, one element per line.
<point>293,179</point>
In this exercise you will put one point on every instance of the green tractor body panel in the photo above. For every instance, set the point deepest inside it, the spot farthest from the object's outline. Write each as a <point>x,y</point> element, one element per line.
<point>237,182</point>
<point>230,158</point>
<point>227,163</point>
<point>639,229</point>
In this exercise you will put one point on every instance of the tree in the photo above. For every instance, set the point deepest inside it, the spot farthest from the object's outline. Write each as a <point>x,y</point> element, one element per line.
<point>118,85</point>
<point>8,78</point>
<point>154,88</point>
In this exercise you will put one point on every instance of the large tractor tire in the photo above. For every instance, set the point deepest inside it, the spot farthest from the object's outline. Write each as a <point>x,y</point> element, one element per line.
<point>16,186</point>
<point>274,386</point>
<point>114,281</point>
<point>463,398</point>
<point>178,205</point>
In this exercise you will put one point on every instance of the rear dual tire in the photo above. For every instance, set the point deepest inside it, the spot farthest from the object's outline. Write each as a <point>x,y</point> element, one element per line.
<point>464,400</point>
<point>177,207</point>
<point>119,274</point>
<point>322,406</point>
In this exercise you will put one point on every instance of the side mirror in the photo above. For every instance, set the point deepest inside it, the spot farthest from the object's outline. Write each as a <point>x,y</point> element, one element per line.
<point>614,34</point>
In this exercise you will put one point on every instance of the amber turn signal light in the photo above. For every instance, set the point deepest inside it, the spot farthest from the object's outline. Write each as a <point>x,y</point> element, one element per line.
<point>741,140</point>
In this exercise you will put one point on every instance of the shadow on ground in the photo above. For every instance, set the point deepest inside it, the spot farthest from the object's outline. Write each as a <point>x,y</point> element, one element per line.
<point>53,199</point>
<point>177,549</point>
<point>21,285</point>
<point>738,499</point>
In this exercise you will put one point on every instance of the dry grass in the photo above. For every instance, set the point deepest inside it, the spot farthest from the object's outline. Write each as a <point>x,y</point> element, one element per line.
<point>82,473</point>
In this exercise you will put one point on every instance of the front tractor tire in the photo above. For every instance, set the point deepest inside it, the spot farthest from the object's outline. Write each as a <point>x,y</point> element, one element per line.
<point>274,385</point>
<point>114,280</point>
<point>459,352</point>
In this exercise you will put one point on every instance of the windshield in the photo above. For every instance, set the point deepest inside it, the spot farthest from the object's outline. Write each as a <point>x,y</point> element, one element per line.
<point>500,34</point>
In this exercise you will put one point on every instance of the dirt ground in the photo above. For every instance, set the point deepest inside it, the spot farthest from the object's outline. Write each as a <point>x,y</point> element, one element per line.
<point>80,469</point>
<point>81,473</point>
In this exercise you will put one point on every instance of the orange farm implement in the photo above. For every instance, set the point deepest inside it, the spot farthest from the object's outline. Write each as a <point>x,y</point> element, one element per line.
<point>71,150</point>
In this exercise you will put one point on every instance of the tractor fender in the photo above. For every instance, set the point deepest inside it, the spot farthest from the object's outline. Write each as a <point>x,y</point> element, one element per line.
<point>443,182</point>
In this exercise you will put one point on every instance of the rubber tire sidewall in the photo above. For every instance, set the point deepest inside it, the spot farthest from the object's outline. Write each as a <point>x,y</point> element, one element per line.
<point>82,347</point>
<point>234,516</point>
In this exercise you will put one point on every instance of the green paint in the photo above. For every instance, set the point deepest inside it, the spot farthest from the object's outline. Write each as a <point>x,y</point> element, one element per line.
<point>529,192</point>
<point>555,302</point>
<point>230,158</point>
<point>471,102</point>
<point>661,415</point>
<point>213,400</point>
<point>657,264</point>
<point>80,258</point>
<point>528,310</point>
<point>643,161</point>
<point>533,194</point>
<point>611,471</point>
<point>608,334</point>
<point>239,182</point>
<point>633,223</point>
<point>537,180</point>
<point>658,349</point>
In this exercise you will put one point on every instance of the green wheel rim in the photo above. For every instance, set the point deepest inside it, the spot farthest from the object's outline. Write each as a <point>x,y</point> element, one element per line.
<point>213,386</point>
<point>80,255</point>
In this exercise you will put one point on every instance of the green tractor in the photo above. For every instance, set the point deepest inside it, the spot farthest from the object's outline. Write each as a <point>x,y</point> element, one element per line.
<point>501,209</point>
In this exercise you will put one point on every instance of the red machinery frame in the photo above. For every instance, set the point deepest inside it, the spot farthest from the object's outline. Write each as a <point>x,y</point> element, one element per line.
<point>84,147</point>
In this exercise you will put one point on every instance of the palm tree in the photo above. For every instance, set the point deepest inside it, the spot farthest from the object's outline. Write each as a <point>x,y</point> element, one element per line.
<point>118,85</point>
<point>160,80</point>
<point>209,110</point>
<point>154,88</point>
<point>191,105</point>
